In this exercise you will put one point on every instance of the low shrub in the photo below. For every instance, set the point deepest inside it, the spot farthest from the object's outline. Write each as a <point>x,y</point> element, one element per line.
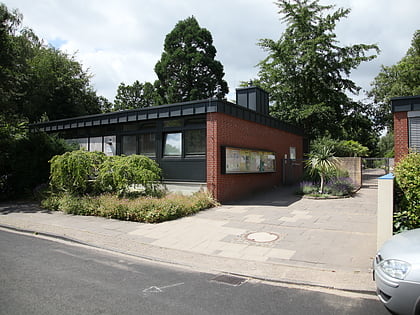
<point>24,158</point>
<point>145,209</point>
<point>342,186</point>
<point>307,188</point>
<point>407,191</point>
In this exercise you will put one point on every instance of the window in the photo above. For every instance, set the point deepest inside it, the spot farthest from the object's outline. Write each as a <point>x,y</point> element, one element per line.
<point>81,142</point>
<point>292,151</point>
<point>109,145</point>
<point>195,142</point>
<point>95,144</point>
<point>173,144</point>
<point>414,133</point>
<point>129,145</point>
<point>147,143</point>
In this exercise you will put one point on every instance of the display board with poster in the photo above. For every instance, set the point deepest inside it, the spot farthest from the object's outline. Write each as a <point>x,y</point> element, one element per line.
<point>241,160</point>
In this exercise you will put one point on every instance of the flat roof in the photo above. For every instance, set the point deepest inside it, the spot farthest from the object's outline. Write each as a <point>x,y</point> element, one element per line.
<point>165,111</point>
<point>405,103</point>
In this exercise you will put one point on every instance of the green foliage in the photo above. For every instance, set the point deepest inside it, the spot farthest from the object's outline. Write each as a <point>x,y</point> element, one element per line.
<point>306,73</point>
<point>386,146</point>
<point>36,79</point>
<point>187,69</point>
<point>342,148</point>
<point>322,162</point>
<point>81,172</point>
<point>335,186</point>
<point>339,186</point>
<point>151,210</point>
<point>137,95</point>
<point>407,179</point>
<point>72,171</point>
<point>351,148</point>
<point>59,87</point>
<point>401,79</point>
<point>24,157</point>
<point>308,188</point>
<point>118,173</point>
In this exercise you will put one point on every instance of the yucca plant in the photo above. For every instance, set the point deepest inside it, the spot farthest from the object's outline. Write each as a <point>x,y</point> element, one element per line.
<point>322,162</point>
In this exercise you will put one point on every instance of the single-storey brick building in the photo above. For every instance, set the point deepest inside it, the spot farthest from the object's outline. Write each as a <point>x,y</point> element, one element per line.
<point>231,149</point>
<point>406,112</point>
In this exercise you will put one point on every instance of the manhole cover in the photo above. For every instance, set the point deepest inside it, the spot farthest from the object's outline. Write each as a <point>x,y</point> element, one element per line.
<point>262,237</point>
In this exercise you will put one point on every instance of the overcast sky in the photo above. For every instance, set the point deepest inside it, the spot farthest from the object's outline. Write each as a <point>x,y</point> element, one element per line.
<point>121,40</point>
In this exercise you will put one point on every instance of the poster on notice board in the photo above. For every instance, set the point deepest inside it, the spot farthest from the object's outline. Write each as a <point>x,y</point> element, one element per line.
<point>241,160</point>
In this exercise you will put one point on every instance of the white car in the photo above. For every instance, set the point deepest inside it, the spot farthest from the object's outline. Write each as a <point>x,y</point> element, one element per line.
<point>396,271</point>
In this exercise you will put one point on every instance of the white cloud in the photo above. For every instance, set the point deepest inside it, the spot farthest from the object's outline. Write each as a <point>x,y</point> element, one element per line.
<point>121,40</point>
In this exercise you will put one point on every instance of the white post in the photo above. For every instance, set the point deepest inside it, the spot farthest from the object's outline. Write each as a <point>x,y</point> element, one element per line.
<point>385,209</point>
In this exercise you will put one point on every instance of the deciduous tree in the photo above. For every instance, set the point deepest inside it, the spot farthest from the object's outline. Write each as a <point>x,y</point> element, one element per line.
<point>401,79</point>
<point>37,80</point>
<point>307,71</point>
<point>137,95</point>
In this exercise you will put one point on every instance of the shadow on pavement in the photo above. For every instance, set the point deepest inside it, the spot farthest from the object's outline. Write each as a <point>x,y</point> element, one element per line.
<point>21,207</point>
<point>370,177</point>
<point>282,196</point>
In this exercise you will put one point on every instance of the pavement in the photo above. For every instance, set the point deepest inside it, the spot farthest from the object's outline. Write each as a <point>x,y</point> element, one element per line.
<point>274,236</point>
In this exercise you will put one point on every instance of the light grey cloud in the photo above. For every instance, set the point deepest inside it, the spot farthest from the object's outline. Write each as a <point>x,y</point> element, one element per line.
<point>121,40</point>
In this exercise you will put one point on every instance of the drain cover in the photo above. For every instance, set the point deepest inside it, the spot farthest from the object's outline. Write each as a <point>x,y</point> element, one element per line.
<point>228,279</point>
<point>262,237</point>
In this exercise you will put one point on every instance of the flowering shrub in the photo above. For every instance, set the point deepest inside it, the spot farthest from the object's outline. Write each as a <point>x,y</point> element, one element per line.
<point>342,186</point>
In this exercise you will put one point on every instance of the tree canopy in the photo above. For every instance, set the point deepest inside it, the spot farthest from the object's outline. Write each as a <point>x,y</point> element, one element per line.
<point>401,79</point>
<point>187,69</point>
<point>137,95</point>
<point>38,80</point>
<point>307,72</point>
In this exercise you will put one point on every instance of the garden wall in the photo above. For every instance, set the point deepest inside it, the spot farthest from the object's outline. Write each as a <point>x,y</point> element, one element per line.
<point>353,165</point>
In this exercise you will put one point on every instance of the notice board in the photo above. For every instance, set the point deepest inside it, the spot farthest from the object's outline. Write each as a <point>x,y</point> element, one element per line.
<point>242,160</point>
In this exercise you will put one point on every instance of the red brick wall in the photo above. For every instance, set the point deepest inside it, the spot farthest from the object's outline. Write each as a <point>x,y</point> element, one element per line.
<point>400,135</point>
<point>225,130</point>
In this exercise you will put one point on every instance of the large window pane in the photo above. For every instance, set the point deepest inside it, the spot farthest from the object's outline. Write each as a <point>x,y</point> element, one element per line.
<point>147,144</point>
<point>110,145</point>
<point>129,145</point>
<point>81,142</point>
<point>173,144</point>
<point>195,142</point>
<point>95,144</point>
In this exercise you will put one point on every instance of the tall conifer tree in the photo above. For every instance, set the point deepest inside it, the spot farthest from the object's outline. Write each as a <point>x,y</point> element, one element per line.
<point>187,69</point>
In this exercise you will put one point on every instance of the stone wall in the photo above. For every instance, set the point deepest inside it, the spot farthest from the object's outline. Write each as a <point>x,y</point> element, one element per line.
<point>354,166</point>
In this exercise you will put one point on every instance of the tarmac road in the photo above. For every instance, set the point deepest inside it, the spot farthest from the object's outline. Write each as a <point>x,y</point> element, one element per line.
<point>41,276</point>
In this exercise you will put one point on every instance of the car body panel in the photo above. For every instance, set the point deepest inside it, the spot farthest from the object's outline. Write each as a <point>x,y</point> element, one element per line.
<point>400,296</point>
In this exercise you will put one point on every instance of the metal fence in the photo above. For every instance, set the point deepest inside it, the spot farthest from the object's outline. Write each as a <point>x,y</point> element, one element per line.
<point>387,164</point>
